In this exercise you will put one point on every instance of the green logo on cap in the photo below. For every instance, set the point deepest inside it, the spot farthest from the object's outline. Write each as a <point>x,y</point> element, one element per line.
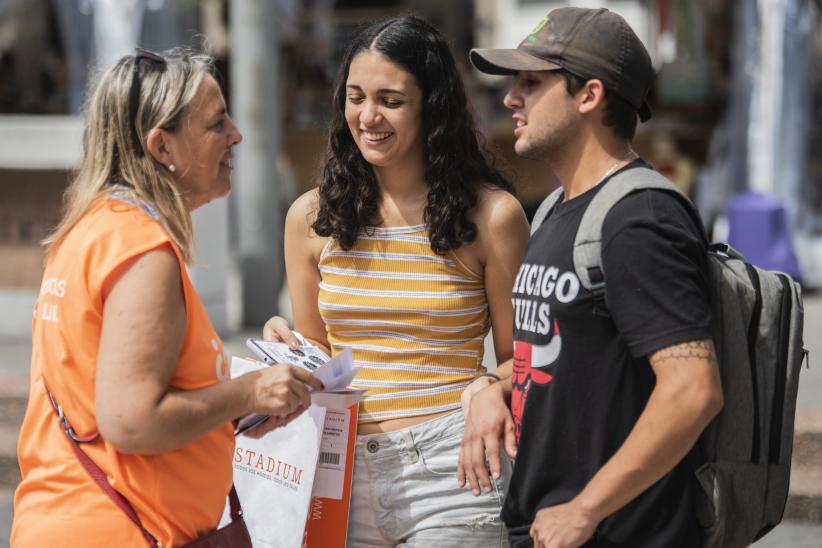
<point>533,36</point>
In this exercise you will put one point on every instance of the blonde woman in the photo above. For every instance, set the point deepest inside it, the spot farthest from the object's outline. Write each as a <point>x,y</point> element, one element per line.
<point>122,348</point>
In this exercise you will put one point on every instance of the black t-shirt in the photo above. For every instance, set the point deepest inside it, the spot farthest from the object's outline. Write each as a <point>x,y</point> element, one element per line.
<point>581,380</point>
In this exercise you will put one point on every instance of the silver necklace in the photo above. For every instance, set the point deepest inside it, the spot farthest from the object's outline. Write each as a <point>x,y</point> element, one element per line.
<point>628,153</point>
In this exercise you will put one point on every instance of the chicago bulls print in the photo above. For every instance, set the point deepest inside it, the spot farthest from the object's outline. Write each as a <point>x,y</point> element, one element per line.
<point>538,344</point>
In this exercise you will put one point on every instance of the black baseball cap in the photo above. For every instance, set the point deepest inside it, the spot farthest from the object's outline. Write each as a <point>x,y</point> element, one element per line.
<point>591,43</point>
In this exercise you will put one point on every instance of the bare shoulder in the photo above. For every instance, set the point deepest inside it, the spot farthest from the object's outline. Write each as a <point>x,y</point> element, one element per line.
<point>303,212</point>
<point>299,231</point>
<point>502,230</point>
<point>498,211</point>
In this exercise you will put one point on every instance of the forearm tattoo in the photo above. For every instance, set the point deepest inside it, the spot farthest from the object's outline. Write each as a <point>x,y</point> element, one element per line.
<point>692,350</point>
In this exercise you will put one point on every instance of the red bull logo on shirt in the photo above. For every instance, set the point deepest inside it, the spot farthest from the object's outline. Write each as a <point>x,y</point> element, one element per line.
<point>532,363</point>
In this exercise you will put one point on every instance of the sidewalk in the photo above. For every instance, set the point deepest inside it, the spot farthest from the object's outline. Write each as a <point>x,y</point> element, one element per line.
<point>14,364</point>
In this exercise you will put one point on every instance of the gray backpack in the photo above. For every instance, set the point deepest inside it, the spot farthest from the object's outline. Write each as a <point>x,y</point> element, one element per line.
<point>745,452</point>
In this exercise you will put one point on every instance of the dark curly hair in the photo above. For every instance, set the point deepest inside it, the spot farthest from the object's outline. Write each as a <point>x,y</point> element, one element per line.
<point>457,165</point>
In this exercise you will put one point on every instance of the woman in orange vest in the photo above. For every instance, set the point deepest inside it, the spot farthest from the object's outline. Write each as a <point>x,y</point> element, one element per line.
<point>121,344</point>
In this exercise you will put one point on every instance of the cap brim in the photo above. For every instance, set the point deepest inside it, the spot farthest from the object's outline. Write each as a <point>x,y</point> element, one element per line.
<point>508,61</point>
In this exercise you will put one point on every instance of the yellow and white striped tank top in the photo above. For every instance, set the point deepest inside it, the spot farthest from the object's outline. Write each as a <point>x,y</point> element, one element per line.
<point>414,320</point>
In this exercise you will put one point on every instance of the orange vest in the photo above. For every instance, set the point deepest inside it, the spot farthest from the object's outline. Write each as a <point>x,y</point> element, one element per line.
<point>178,495</point>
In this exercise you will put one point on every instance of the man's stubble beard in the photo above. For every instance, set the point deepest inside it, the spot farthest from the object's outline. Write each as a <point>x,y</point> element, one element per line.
<point>551,146</point>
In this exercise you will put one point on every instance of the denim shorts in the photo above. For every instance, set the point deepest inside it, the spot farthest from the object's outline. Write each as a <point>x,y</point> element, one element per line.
<point>405,491</point>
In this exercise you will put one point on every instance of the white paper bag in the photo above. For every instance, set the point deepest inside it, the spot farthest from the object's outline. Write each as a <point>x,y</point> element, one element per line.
<point>274,475</point>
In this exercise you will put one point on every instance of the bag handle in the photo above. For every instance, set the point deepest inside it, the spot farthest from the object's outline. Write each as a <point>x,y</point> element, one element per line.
<point>101,480</point>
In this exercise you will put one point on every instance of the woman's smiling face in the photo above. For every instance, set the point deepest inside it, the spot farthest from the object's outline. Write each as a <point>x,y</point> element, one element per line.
<point>383,108</point>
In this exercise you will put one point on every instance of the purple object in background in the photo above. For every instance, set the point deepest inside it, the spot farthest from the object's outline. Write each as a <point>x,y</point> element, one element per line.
<point>758,228</point>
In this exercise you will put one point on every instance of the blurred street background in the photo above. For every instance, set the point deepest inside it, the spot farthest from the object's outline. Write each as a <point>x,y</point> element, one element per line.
<point>737,125</point>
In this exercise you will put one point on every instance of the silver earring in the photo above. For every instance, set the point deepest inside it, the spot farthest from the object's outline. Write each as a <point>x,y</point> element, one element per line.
<point>171,168</point>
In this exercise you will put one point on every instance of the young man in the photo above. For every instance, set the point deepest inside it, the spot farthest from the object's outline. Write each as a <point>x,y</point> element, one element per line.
<point>605,406</point>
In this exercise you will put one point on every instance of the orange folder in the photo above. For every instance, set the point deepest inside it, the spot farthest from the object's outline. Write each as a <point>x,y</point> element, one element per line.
<point>327,523</point>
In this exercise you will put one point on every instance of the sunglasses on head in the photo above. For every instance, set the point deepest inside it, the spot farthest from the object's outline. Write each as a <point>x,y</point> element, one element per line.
<point>140,54</point>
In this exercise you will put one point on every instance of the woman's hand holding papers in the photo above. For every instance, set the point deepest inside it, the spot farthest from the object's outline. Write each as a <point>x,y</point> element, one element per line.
<point>280,391</point>
<point>276,329</point>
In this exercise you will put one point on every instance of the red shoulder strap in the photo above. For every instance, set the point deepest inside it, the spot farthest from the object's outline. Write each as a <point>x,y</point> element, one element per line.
<point>100,478</point>
<point>93,470</point>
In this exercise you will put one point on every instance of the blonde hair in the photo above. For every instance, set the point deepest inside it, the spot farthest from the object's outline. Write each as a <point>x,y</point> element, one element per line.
<point>111,157</point>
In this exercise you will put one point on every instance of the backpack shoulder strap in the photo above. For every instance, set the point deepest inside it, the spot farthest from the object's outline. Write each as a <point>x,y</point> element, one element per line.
<point>588,241</point>
<point>545,208</point>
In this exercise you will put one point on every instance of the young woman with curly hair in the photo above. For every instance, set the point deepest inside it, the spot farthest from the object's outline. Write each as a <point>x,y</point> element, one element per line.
<point>407,253</point>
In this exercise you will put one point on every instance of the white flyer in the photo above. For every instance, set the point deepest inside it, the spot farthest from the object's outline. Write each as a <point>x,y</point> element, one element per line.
<point>308,356</point>
<point>336,374</point>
